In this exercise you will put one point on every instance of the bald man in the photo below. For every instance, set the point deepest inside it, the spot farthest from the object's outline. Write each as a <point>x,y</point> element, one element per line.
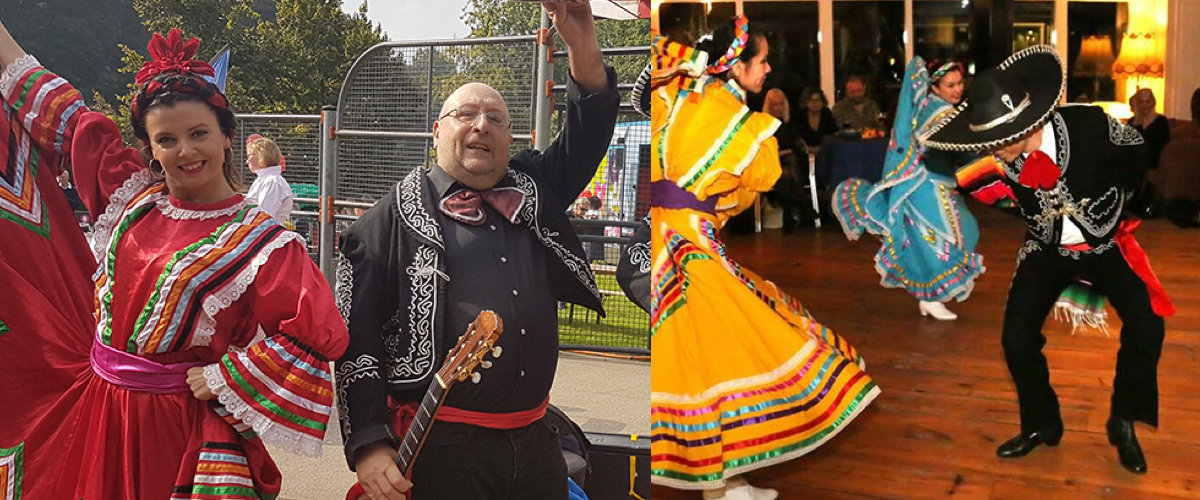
<point>481,229</point>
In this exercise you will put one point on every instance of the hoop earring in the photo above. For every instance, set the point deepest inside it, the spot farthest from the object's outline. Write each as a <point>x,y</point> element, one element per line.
<point>156,167</point>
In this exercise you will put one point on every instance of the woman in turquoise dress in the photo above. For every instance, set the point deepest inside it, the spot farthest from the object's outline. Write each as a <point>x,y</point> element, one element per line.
<point>928,236</point>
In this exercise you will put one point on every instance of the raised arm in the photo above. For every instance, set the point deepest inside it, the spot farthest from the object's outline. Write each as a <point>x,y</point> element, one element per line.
<point>575,26</point>
<point>56,117</point>
<point>10,51</point>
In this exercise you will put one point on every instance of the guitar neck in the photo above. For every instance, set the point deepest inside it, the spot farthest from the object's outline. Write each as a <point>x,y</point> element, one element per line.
<point>415,436</point>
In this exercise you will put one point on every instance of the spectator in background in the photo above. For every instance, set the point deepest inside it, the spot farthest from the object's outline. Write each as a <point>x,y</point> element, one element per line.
<point>1196,108</point>
<point>819,121</point>
<point>776,104</point>
<point>580,208</point>
<point>1190,130</point>
<point>64,180</point>
<point>785,194</point>
<point>270,191</point>
<point>856,111</point>
<point>595,209</point>
<point>1156,130</point>
<point>1154,127</point>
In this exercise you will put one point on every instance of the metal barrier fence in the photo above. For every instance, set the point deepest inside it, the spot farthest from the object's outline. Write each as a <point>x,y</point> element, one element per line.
<point>381,130</point>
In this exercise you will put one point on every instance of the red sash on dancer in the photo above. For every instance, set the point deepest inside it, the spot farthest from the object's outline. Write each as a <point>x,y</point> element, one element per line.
<point>1140,263</point>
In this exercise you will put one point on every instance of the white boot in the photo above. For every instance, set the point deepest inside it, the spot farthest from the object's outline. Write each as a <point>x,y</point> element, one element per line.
<point>737,488</point>
<point>937,310</point>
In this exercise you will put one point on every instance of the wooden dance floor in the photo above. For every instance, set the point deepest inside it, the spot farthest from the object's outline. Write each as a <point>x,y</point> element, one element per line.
<point>947,399</point>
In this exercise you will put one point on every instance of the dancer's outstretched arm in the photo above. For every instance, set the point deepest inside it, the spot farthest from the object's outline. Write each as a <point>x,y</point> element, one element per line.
<point>9,49</point>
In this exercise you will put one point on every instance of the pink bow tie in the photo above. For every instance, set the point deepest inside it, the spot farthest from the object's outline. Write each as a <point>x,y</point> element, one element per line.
<point>466,205</point>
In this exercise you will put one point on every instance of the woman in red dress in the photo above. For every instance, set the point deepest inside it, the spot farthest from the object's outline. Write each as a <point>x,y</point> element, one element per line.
<point>210,329</point>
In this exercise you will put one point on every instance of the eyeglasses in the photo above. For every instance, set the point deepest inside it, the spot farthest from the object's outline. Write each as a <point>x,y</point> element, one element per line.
<point>471,115</point>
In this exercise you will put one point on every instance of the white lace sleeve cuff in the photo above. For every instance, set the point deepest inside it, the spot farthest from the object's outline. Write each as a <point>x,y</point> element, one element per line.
<point>14,71</point>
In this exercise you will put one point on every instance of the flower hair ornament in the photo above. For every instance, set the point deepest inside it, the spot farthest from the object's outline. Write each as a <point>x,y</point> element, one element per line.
<point>173,69</point>
<point>939,69</point>
<point>741,37</point>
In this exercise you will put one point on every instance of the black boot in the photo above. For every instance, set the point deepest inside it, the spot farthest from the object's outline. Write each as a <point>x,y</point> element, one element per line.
<point>1120,434</point>
<point>1025,442</point>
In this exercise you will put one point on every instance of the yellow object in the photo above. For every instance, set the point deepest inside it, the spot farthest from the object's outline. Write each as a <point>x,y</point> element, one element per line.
<point>1095,57</point>
<point>742,376</point>
<point>1139,57</point>
<point>633,477</point>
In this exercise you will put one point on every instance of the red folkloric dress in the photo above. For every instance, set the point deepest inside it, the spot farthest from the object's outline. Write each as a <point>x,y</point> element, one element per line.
<point>93,355</point>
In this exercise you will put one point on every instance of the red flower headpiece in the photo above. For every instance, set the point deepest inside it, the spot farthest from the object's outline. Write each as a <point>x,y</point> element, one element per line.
<point>172,55</point>
<point>172,69</point>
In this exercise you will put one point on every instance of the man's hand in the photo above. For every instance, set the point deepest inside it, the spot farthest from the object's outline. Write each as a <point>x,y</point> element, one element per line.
<point>575,26</point>
<point>378,474</point>
<point>195,380</point>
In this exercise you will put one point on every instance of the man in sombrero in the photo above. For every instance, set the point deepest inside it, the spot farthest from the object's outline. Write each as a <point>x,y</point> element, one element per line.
<point>1069,170</point>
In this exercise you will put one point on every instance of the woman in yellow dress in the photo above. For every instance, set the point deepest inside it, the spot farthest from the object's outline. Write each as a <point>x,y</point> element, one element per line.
<point>742,377</point>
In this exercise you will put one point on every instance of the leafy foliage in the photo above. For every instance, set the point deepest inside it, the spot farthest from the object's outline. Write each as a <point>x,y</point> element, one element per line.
<point>507,18</point>
<point>293,63</point>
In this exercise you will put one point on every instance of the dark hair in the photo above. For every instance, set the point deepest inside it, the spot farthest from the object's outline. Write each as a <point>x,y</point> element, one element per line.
<point>595,202</point>
<point>169,98</point>
<point>931,67</point>
<point>225,117</point>
<point>811,91</point>
<point>861,79</point>
<point>1196,106</point>
<point>723,37</point>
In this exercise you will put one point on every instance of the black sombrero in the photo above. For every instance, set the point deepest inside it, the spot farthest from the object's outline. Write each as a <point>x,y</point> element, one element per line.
<point>640,95</point>
<point>1005,103</point>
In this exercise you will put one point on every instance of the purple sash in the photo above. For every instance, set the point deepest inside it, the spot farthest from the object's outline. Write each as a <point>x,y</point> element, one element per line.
<point>666,194</point>
<point>136,373</point>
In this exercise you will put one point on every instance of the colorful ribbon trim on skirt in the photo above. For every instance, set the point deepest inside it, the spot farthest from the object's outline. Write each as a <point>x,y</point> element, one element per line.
<point>136,373</point>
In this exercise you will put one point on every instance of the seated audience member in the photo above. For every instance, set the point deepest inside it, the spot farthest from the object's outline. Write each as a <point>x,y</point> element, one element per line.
<point>1154,127</point>
<point>818,120</point>
<point>856,111</point>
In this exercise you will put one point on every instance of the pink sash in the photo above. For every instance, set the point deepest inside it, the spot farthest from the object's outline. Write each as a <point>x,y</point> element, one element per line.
<point>136,373</point>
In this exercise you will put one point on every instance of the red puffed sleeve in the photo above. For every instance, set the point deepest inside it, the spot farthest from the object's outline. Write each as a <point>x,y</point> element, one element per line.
<point>54,114</point>
<point>281,387</point>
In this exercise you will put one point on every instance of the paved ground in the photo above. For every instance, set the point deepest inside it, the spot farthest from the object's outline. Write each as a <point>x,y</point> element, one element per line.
<point>600,394</point>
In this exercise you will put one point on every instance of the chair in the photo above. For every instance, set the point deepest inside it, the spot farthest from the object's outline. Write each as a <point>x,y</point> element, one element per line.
<point>812,188</point>
<point>1178,172</point>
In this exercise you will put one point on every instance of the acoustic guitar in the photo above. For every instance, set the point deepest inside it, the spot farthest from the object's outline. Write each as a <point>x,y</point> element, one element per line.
<point>469,353</point>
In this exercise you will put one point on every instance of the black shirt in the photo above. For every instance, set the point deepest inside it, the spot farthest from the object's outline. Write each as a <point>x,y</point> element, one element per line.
<point>813,137</point>
<point>1156,135</point>
<point>499,266</point>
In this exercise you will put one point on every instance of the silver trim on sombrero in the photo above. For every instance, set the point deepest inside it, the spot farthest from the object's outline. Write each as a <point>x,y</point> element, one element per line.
<point>639,89</point>
<point>983,146</point>
<point>1012,114</point>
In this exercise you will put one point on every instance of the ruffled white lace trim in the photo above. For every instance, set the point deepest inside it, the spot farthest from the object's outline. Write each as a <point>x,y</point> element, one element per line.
<point>222,298</point>
<point>14,71</point>
<point>102,231</point>
<point>173,212</point>
<point>281,437</point>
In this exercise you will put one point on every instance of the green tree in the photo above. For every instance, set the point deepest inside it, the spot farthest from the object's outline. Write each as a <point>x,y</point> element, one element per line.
<point>488,18</point>
<point>293,61</point>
